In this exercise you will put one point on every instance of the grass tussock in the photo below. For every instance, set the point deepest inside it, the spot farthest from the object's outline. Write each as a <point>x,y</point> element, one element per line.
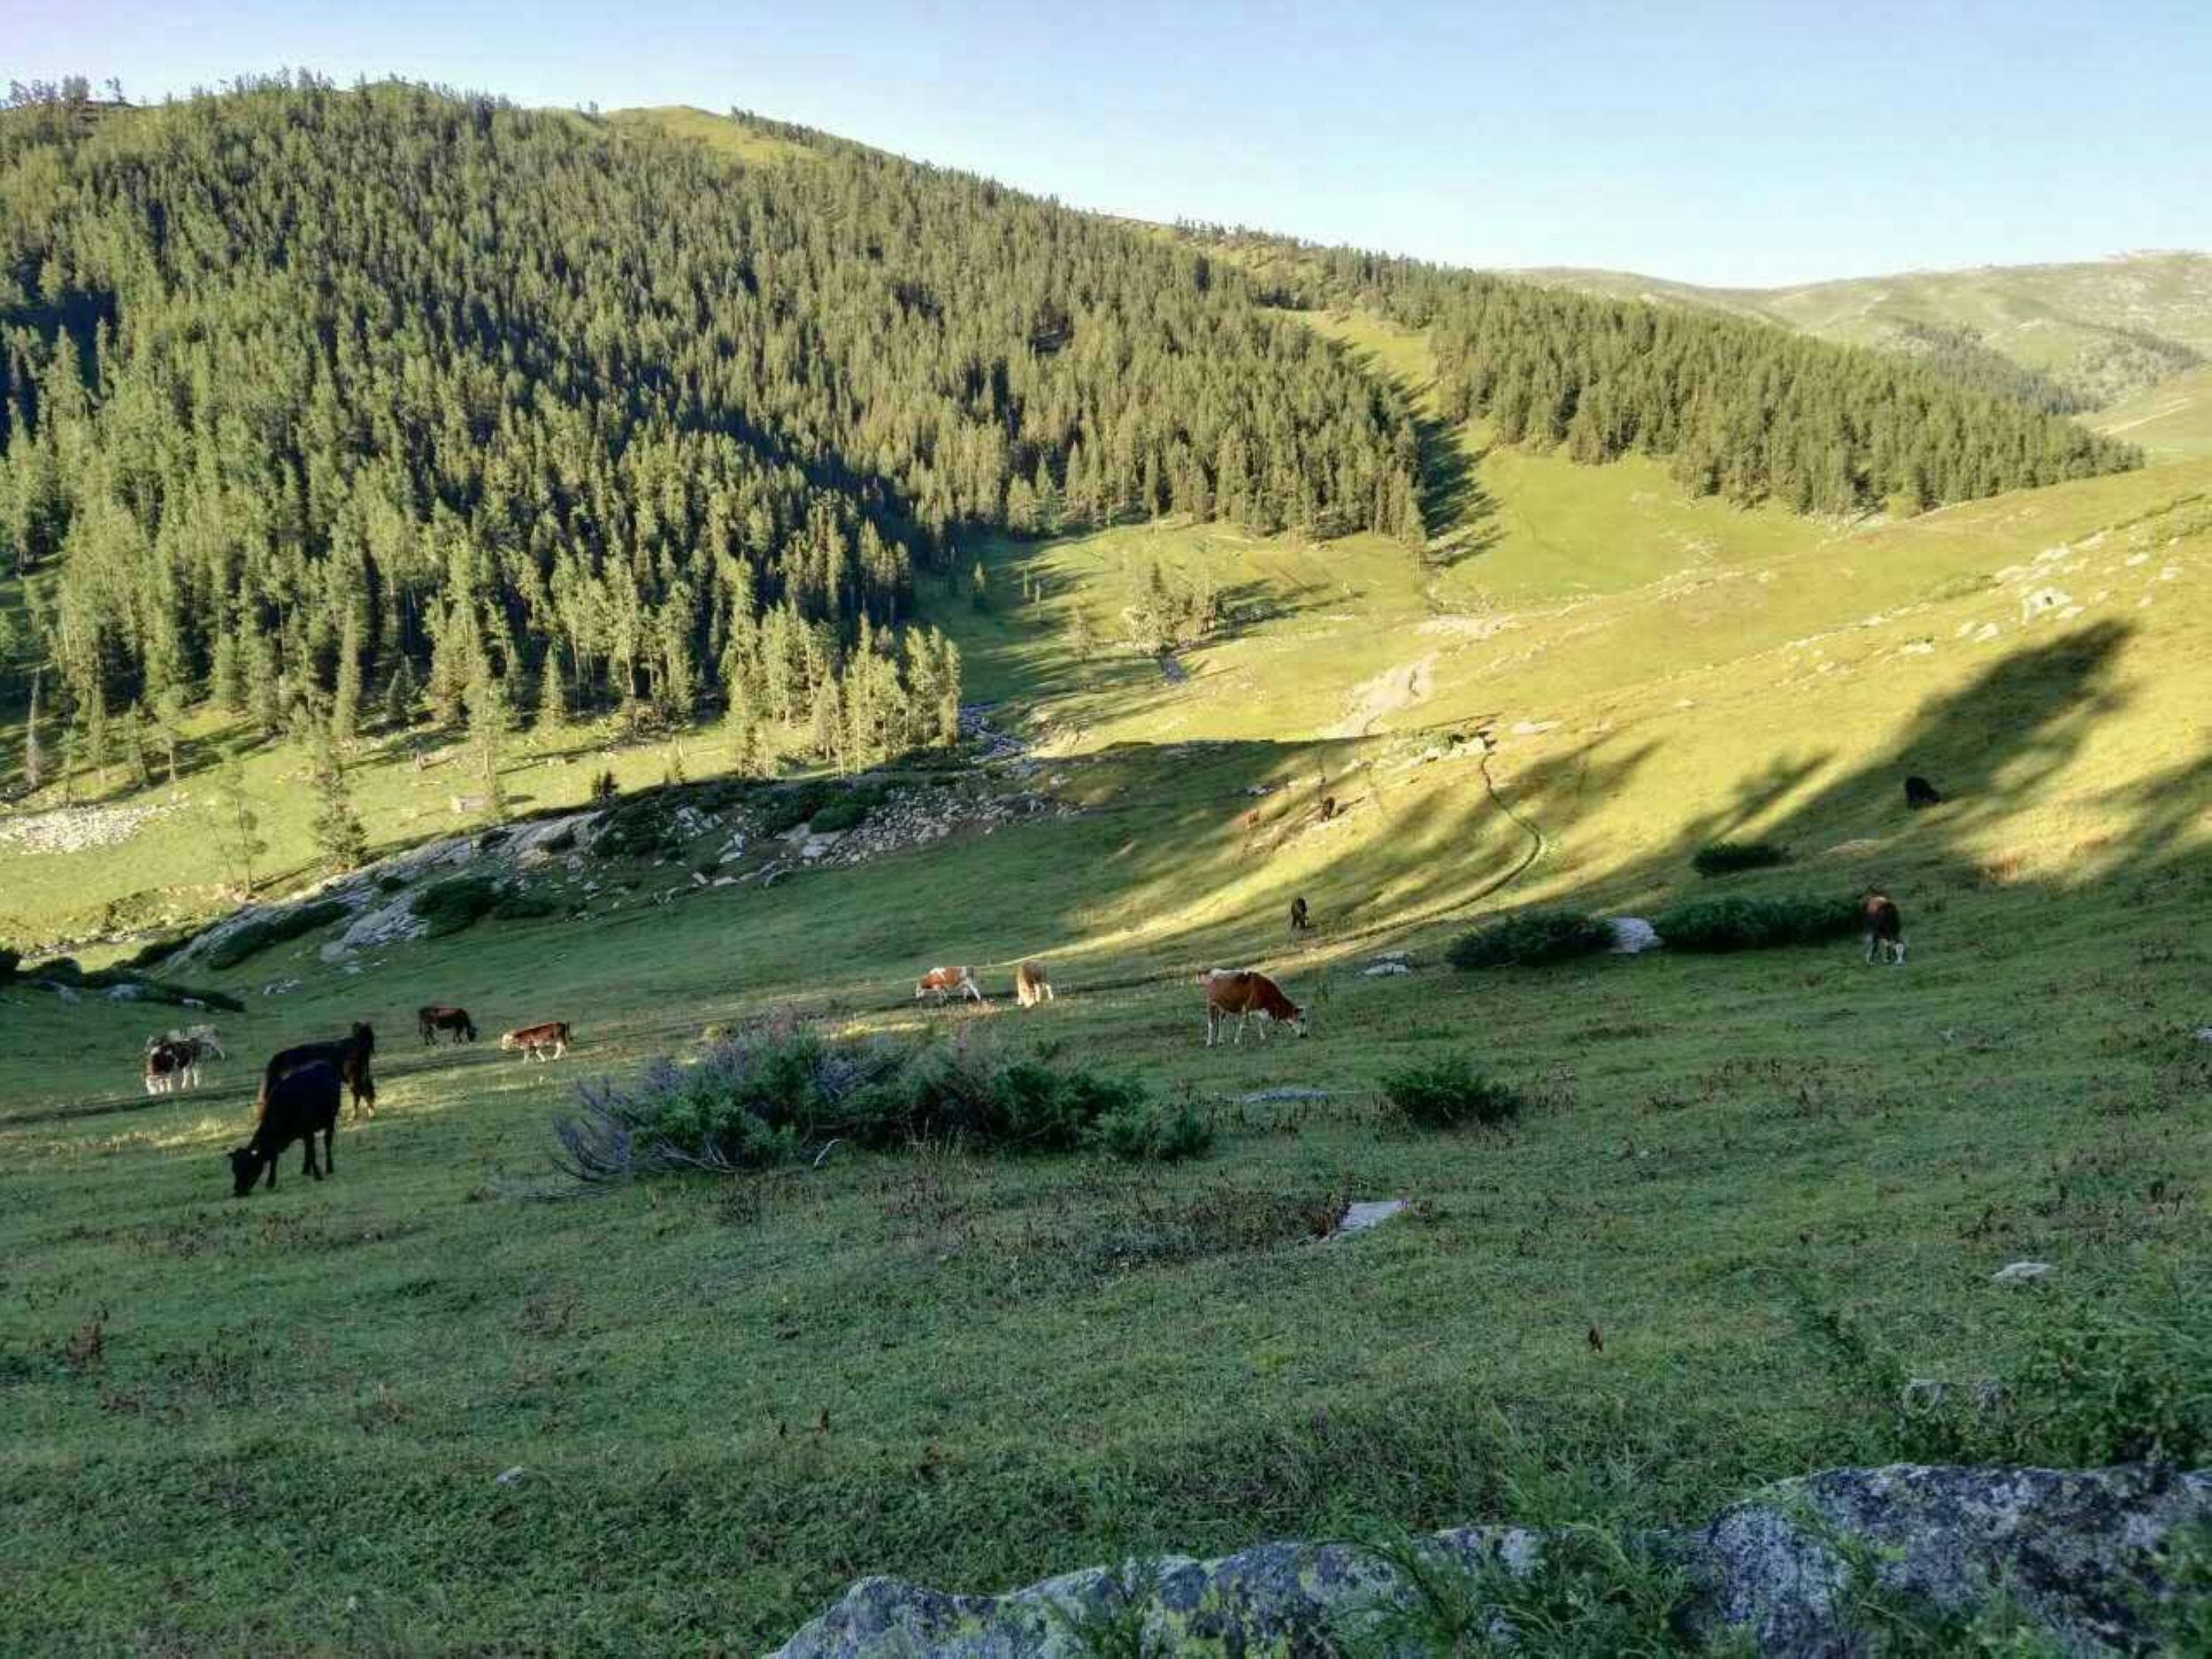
<point>1450,1093</point>
<point>1530,939</point>
<point>773,1093</point>
<point>1743,924</point>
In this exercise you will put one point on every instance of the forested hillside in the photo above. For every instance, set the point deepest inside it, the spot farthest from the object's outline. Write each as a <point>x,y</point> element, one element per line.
<point>1743,409</point>
<point>309,396</point>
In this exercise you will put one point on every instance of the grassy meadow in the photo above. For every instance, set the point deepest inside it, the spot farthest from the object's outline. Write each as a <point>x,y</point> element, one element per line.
<point>440,1402</point>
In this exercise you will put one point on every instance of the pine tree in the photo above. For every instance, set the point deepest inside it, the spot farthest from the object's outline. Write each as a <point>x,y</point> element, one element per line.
<point>134,749</point>
<point>34,758</point>
<point>489,719</point>
<point>345,699</point>
<point>338,830</point>
<point>400,697</point>
<point>552,695</point>
<point>237,826</point>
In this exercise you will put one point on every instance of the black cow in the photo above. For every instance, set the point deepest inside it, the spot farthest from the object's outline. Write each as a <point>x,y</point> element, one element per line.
<point>349,1054</point>
<point>1299,921</point>
<point>299,1104</point>
<point>1919,793</point>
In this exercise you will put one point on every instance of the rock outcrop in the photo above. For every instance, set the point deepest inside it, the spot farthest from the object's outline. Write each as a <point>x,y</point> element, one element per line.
<point>2076,1551</point>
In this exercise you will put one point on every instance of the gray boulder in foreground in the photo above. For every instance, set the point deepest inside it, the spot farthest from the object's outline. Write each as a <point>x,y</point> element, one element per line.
<point>2074,1550</point>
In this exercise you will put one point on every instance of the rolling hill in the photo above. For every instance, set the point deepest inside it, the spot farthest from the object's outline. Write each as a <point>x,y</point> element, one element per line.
<point>448,1400</point>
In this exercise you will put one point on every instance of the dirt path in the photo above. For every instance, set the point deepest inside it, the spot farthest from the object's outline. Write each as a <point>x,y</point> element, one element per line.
<point>1396,688</point>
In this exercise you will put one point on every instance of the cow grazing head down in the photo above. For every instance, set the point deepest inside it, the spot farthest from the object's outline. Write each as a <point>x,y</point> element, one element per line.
<point>1240,992</point>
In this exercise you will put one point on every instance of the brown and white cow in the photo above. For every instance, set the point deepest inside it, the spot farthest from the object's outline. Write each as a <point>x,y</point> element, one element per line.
<point>173,1059</point>
<point>1884,929</point>
<point>1032,984</point>
<point>533,1041</point>
<point>945,981</point>
<point>1243,991</point>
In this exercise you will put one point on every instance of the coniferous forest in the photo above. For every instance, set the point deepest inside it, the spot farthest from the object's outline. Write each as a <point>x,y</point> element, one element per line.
<point>1741,408</point>
<point>359,404</point>
<point>354,398</point>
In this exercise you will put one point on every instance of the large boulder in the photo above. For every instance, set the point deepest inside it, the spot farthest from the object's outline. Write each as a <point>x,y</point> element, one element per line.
<point>2075,1550</point>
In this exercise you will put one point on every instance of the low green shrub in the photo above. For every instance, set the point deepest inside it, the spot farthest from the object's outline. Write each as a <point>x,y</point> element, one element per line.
<point>523,906</point>
<point>643,826</point>
<point>1722,858</point>
<point>1530,938</point>
<point>1147,1132</point>
<point>768,1094</point>
<point>787,808</point>
<point>10,961</point>
<point>457,903</point>
<point>846,812</point>
<point>255,937</point>
<point>1449,1094</point>
<point>1717,925</point>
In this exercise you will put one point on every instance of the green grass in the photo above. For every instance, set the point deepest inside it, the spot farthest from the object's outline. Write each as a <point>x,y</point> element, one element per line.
<point>277,1424</point>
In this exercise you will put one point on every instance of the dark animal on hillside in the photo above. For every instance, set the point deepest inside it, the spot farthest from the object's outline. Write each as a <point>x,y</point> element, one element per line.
<point>1919,793</point>
<point>350,1055</point>
<point>535,1040</point>
<point>1884,929</point>
<point>1032,984</point>
<point>1242,993</point>
<point>435,1018</point>
<point>944,981</point>
<point>297,1106</point>
<point>1299,921</point>
<point>1328,808</point>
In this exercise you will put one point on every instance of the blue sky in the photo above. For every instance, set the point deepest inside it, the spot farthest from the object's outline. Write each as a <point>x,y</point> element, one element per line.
<point>1714,142</point>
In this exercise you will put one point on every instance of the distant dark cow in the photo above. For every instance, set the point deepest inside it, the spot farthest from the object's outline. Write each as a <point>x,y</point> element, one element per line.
<point>296,1106</point>
<point>1328,808</point>
<point>1919,793</point>
<point>435,1018</point>
<point>1299,921</point>
<point>1242,993</point>
<point>348,1054</point>
<point>944,981</point>
<point>532,1040</point>
<point>1884,929</point>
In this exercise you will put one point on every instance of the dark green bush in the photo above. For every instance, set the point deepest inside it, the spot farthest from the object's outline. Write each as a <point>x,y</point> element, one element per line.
<point>643,826</point>
<point>767,1093</point>
<point>459,901</point>
<point>1450,1093</point>
<point>1147,1132</point>
<point>1531,938</point>
<point>846,812</point>
<point>523,906</point>
<point>10,961</point>
<point>1722,858</point>
<point>160,948</point>
<point>787,808</point>
<point>273,930</point>
<point>1714,924</point>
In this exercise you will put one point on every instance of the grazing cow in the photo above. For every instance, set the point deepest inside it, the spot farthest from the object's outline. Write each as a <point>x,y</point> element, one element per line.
<point>435,1018</point>
<point>533,1041</point>
<point>1919,793</point>
<point>170,1066</point>
<point>350,1055</point>
<point>1884,929</point>
<point>1032,984</point>
<point>1328,808</point>
<point>1299,921</point>
<point>296,1105</point>
<point>1244,992</point>
<point>944,981</point>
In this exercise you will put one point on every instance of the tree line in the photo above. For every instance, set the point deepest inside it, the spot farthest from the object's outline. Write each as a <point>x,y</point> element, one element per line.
<point>352,398</point>
<point>1741,408</point>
